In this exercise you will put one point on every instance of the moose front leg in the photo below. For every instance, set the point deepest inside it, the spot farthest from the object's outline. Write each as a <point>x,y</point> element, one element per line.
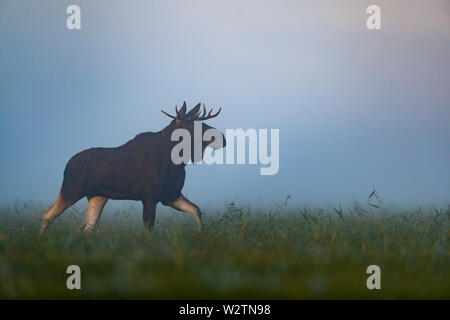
<point>148,214</point>
<point>183,204</point>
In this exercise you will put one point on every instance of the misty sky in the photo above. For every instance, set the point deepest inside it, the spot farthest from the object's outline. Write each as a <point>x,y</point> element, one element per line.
<point>355,108</point>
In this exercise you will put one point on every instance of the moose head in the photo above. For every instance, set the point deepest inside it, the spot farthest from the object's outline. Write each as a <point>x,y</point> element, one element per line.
<point>200,133</point>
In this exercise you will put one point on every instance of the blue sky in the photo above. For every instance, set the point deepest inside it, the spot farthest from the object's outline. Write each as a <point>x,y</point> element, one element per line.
<point>355,108</point>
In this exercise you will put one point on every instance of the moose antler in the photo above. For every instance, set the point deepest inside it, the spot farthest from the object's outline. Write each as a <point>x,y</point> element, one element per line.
<point>182,115</point>
<point>209,116</point>
<point>178,115</point>
<point>169,115</point>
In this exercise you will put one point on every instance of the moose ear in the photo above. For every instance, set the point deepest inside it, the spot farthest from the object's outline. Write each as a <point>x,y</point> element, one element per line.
<point>193,111</point>
<point>182,112</point>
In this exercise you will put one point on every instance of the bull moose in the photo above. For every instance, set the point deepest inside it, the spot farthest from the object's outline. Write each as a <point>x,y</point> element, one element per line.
<point>141,169</point>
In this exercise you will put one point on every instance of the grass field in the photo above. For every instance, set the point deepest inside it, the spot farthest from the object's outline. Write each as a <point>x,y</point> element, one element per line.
<point>285,254</point>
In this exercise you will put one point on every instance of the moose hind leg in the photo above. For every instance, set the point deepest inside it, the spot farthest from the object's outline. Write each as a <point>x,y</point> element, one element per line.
<point>93,213</point>
<point>183,204</point>
<point>54,211</point>
<point>148,213</point>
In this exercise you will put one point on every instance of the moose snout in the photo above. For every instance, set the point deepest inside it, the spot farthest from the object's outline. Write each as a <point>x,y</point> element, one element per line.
<point>220,143</point>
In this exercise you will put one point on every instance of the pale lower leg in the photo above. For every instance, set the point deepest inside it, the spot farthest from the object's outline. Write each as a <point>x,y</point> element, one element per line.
<point>94,210</point>
<point>183,204</point>
<point>53,211</point>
